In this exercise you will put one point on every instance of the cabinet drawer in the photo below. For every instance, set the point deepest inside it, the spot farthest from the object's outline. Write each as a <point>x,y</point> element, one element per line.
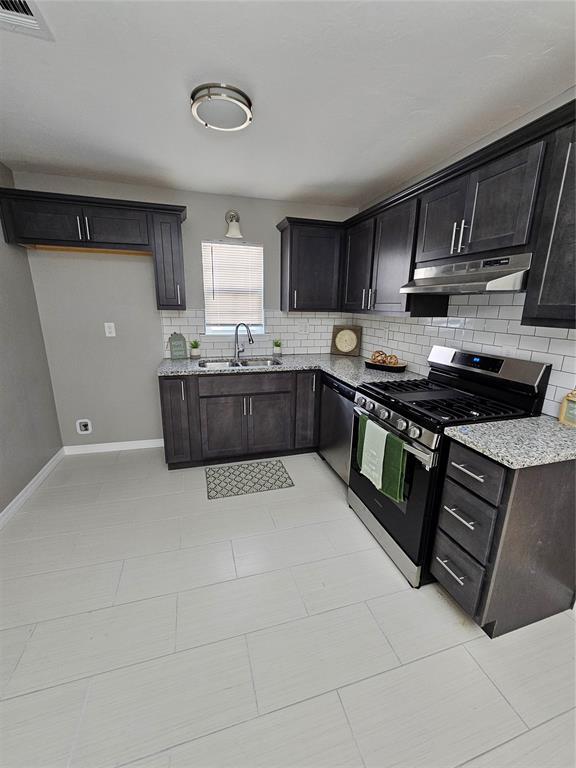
<point>479,474</point>
<point>457,572</point>
<point>245,384</point>
<point>467,519</point>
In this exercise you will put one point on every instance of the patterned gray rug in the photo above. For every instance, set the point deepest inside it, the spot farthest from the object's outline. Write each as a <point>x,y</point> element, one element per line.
<point>253,477</point>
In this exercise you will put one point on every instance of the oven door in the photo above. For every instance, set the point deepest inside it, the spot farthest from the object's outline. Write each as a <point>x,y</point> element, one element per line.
<point>407,523</point>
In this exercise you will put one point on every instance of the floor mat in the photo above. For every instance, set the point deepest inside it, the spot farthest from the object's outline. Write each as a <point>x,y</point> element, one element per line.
<point>252,477</point>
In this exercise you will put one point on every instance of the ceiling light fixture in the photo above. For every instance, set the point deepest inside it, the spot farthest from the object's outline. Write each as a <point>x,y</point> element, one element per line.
<point>221,107</point>
<point>233,221</point>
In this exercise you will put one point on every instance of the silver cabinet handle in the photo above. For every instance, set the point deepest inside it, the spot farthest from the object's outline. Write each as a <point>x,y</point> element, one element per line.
<point>243,406</point>
<point>452,511</point>
<point>459,579</point>
<point>454,226</point>
<point>182,389</point>
<point>314,383</point>
<point>79,228</point>
<point>178,292</point>
<point>369,299</point>
<point>463,226</point>
<point>295,297</point>
<point>250,404</point>
<point>363,297</point>
<point>462,468</point>
<point>87,228</point>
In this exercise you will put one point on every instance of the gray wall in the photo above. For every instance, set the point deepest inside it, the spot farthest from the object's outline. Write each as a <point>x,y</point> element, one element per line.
<point>112,380</point>
<point>29,433</point>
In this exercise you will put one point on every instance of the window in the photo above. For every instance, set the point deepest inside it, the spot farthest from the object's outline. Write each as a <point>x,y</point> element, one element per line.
<point>233,286</point>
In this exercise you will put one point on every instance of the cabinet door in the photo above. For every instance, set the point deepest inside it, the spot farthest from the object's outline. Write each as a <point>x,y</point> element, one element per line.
<point>441,212</point>
<point>175,423</point>
<point>168,262</point>
<point>314,268</point>
<point>120,226</point>
<point>307,409</point>
<point>46,222</point>
<point>358,266</point>
<point>551,291</point>
<point>500,201</point>
<point>223,426</point>
<point>393,256</point>
<point>270,422</point>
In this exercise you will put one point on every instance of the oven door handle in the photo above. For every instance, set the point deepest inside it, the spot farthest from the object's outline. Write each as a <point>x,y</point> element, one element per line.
<point>428,460</point>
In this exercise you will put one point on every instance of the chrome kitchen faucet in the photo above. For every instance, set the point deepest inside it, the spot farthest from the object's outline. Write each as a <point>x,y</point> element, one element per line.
<point>238,348</point>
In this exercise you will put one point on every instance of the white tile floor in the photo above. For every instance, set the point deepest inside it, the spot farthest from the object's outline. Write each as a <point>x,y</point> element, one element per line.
<point>142,624</point>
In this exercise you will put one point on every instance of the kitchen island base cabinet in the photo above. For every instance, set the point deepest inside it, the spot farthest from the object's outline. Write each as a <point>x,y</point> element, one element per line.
<point>507,558</point>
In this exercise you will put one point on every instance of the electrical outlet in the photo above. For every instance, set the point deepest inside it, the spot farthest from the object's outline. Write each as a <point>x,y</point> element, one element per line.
<point>110,329</point>
<point>84,426</point>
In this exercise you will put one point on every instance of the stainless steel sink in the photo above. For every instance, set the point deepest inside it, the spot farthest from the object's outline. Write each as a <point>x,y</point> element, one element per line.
<point>259,362</point>
<point>217,365</point>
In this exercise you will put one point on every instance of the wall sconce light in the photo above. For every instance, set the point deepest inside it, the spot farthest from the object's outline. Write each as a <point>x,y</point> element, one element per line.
<point>233,220</point>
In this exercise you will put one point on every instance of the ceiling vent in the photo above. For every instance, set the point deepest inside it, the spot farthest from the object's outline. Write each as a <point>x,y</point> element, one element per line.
<point>23,16</point>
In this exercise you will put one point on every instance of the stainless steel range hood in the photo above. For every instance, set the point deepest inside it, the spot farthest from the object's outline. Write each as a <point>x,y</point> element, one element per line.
<point>496,274</point>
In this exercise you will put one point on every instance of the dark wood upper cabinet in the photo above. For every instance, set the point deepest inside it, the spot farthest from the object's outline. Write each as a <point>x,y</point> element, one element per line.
<point>308,387</point>
<point>441,213</point>
<point>551,291</point>
<point>393,256</point>
<point>104,224</point>
<point>36,221</point>
<point>310,270</point>
<point>357,267</point>
<point>71,222</point>
<point>500,202</point>
<point>168,262</point>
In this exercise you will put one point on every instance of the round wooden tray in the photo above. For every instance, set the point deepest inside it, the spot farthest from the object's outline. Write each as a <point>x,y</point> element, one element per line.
<point>385,367</point>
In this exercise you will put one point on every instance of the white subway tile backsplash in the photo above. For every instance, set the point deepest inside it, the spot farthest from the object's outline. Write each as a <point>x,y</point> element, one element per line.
<point>483,323</point>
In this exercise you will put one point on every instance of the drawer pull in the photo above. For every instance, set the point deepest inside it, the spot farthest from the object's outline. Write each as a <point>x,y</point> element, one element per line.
<point>459,579</point>
<point>452,511</point>
<point>462,468</point>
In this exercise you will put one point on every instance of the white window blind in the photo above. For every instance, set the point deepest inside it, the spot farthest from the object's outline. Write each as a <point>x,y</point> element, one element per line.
<point>233,286</point>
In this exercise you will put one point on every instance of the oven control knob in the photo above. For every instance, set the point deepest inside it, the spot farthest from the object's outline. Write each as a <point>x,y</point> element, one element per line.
<point>401,424</point>
<point>369,405</point>
<point>361,401</point>
<point>384,413</point>
<point>414,431</point>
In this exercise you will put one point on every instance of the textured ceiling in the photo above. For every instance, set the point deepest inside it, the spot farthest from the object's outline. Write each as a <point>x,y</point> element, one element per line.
<point>350,98</point>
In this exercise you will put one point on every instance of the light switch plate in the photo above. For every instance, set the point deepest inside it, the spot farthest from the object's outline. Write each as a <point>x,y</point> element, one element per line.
<point>110,329</point>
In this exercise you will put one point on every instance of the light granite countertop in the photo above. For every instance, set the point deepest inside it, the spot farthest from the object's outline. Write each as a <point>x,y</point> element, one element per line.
<point>519,443</point>
<point>350,370</point>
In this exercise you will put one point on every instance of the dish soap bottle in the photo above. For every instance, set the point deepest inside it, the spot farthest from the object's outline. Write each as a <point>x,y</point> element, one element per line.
<point>568,409</point>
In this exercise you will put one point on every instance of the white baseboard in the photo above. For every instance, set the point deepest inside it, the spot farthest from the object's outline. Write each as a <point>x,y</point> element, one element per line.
<point>29,489</point>
<point>131,445</point>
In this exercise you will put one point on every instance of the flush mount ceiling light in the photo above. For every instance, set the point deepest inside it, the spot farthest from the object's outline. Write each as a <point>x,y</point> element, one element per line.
<point>233,221</point>
<point>221,107</point>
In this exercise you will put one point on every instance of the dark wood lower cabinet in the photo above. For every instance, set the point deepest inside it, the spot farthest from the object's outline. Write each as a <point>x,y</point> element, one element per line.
<point>223,425</point>
<point>308,388</point>
<point>174,400</point>
<point>211,418</point>
<point>270,422</point>
<point>504,551</point>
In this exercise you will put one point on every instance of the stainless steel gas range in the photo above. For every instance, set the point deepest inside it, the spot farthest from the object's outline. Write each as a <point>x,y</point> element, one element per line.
<point>462,387</point>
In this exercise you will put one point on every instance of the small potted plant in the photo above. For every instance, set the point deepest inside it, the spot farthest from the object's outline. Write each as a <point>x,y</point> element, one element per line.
<point>277,347</point>
<point>194,348</point>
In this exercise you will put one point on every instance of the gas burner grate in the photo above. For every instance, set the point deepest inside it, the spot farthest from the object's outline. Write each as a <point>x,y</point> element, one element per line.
<point>410,385</point>
<point>467,409</point>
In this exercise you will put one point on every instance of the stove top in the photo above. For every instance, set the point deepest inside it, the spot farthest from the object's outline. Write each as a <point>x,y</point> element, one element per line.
<point>437,405</point>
